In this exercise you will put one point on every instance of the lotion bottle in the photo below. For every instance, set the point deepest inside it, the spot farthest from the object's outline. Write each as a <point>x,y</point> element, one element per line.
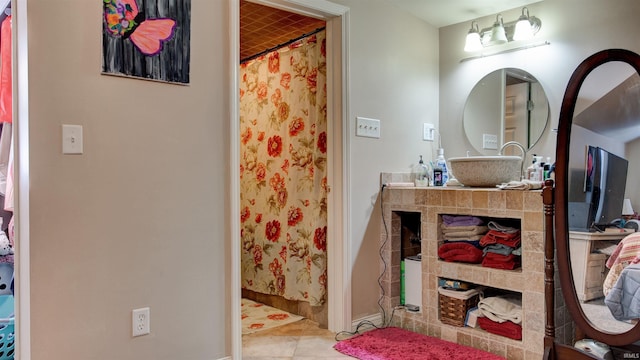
<point>441,163</point>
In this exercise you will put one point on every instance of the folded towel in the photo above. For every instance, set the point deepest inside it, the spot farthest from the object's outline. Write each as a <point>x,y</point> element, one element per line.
<point>521,185</point>
<point>475,243</point>
<point>502,308</point>
<point>461,220</point>
<point>468,231</point>
<point>460,252</point>
<point>497,237</point>
<point>497,261</point>
<point>492,225</point>
<point>498,249</point>
<point>506,329</point>
<point>462,238</point>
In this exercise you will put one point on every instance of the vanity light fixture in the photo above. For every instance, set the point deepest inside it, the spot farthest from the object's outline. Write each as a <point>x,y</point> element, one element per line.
<point>524,28</point>
<point>473,42</point>
<point>498,33</point>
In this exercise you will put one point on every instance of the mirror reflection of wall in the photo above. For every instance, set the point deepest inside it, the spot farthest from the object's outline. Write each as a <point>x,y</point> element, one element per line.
<point>505,105</point>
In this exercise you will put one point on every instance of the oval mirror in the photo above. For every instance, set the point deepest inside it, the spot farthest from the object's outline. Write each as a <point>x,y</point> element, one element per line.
<point>505,105</point>
<point>599,131</point>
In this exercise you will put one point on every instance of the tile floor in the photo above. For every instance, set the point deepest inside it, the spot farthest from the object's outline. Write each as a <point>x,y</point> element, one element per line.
<point>302,340</point>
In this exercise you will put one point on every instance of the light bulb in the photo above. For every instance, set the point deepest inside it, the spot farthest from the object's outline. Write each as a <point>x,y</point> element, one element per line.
<point>473,42</point>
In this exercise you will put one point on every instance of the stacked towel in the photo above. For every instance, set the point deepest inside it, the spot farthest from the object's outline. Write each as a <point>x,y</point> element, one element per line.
<point>497,261</point>
<point>498,237</point>
<point>462,233</point>
<point>468,239</point>
<point>461,220</point>
<point>499,247</point>
<point>506,329</point>
<point>460,252</point>
<point>492,225</point>
<point>502,308</point>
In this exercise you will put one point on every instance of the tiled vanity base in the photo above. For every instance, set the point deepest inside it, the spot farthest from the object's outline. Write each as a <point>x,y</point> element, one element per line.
<point>528,280</point>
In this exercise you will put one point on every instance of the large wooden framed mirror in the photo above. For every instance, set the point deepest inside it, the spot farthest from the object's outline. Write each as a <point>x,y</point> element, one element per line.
<point>580,213</point>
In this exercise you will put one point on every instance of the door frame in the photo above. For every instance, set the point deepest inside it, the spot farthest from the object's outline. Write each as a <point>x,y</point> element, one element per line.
<point>20,89</point>
<point>338,239</point>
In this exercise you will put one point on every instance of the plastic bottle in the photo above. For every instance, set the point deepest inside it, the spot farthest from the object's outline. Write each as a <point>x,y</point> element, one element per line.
<point>531,170</point>
<point>441,164</point>
<point>421,174</point>
<point>547,169</point>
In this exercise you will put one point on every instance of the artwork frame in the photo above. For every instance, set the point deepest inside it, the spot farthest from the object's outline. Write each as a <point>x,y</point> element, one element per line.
<point>147,39</point>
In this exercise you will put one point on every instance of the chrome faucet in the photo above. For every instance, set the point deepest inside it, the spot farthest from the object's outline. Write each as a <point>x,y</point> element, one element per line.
<point>524,154</point>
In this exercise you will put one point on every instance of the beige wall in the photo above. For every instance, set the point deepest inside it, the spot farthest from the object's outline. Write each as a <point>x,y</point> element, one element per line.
<point>139,219</point>
<point>394,77</point>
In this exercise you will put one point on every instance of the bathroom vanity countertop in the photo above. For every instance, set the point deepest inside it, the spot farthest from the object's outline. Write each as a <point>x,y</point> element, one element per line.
<point>463,188</point>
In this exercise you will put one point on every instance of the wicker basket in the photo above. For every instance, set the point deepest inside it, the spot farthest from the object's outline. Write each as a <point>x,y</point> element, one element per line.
<point>455,304</point>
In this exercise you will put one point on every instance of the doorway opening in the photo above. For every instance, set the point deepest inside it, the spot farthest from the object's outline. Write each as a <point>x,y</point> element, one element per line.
<point>339,299</point>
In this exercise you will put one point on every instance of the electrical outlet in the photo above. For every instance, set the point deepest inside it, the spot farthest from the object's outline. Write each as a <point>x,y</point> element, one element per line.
<point>428,131</point>
<point>140,322</point>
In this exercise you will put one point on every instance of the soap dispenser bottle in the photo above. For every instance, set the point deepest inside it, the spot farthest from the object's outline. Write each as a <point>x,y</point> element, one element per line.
<point>421,174</point>
<point>441,164</point>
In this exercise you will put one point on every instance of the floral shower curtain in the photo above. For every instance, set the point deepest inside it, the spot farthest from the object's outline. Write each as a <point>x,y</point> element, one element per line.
<point>283,120</point>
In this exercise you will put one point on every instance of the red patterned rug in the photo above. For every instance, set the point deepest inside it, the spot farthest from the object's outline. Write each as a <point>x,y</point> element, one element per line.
<point>398,344</point>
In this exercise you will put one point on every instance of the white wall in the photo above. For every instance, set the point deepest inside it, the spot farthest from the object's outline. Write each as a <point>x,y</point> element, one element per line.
<point>139,219</point>
<point>394,78</point>
<point>575,29</point>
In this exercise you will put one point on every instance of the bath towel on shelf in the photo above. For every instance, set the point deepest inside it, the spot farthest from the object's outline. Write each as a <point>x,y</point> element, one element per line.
<point>493,225</point>
<point>506,329</point>
<point>498,249</point>
<point>460,252</point>
<point>475,243</point>
<point>462,238</point>
<point>493,237</point>
<point>498,261</point>
<point>465,230</point>
<point>502,308</point>
<point>461,220</point>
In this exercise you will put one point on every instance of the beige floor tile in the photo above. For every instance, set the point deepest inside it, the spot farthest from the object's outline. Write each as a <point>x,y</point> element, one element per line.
<point>302,340</point>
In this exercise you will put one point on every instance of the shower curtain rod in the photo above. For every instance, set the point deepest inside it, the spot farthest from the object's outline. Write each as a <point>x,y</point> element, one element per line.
<point>287,43</point>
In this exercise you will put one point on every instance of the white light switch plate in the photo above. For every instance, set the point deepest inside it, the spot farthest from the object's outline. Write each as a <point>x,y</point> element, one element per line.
<point>368,127</point>
<point>490,142</point>
<point>72,139</point>
<point>428,131</point>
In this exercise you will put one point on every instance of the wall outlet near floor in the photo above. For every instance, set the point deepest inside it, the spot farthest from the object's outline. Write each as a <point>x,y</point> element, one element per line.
<point>140,322</point>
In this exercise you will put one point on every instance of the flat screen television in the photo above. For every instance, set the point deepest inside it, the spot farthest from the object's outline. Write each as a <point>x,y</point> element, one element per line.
<point>598,201</point>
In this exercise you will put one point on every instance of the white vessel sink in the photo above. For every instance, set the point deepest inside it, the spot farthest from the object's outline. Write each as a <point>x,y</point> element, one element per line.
<point>486,171</point>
